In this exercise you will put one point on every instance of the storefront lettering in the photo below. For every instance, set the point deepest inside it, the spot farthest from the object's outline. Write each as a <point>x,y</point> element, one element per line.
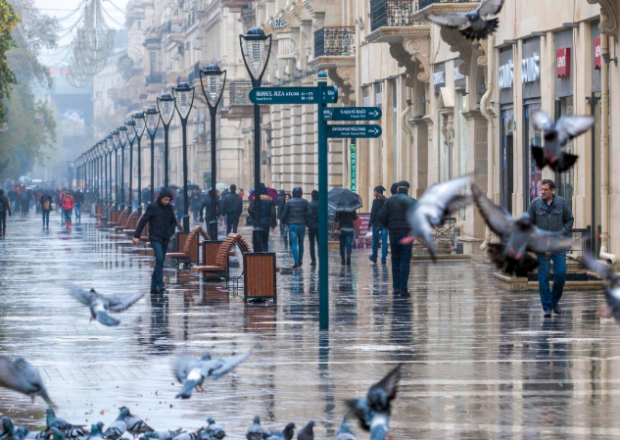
<point>597,53</point>
<point>562,61</point>
<point>439,78</point>
<point>506,75</point>
<point>530,69</point>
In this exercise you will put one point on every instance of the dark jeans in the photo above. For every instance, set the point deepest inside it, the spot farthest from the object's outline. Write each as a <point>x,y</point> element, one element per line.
<point>298,234</point>
<point>376,232</point>
<point>232,221</point>
<point>266,231</point>
<point>549,297</point>
<point>78,211</point>
<point>346,240</point>
<point>46,218</point>
<point>67,214</point>
<point>283,230</point>
<point>157,280</point>
<point>313,236</point>
<point>401,261</point>
<point>3,222</point>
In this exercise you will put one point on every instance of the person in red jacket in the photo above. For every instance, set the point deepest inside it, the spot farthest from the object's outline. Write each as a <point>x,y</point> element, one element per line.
<point>68,202</point>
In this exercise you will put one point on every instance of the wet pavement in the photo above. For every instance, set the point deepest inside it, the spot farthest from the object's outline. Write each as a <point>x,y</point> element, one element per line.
<point>480,362</point>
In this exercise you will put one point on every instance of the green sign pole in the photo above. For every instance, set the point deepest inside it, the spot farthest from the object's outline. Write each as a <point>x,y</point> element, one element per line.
<point>323,215</point>
<point>353,165</point>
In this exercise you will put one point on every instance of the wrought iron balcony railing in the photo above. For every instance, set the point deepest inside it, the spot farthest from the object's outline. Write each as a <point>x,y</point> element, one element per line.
<point>240,92</point>
<point>401,12</point>
<point>334,41</point>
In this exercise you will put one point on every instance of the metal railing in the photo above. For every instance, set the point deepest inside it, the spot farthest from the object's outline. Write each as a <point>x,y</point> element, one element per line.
<point>401,12</point>
<point>240,92</point>
<point>334,41</point>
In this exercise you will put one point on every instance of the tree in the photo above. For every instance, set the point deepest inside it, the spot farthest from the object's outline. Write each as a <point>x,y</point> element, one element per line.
<point>8,21</point>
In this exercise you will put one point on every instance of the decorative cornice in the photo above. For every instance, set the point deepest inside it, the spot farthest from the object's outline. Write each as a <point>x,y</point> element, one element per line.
<point>465,48</point>
<point>483,60</point>
<point>341,70</point>
<point>610,17</point>
<point>419,49</point>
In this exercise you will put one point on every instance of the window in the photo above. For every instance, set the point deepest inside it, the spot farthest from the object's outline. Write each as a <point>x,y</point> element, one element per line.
<point>153,62</point>
<point>378,94</point>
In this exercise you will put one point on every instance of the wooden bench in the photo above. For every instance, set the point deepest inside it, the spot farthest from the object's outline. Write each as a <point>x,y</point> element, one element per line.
<point>118,218</point>
<point>133,224</point>
<point>190,245</point>
<point>128,222</point>
<point>220,268</point>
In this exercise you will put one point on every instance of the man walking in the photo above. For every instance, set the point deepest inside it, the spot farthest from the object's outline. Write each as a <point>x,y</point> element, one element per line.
<point>313,224</point>
<point>5,207</point>
<point>393,215</point>
<point>378,231</point>
<point>268,221</point>
<point>146,196</point>
<point>162,222</point>
<point>46,208</point>
<point>195,203</point>
<point>295,216</point>
<point>206,209</point>
<point>232,205</point>
<point>79,199</point>
<point>551,213</point>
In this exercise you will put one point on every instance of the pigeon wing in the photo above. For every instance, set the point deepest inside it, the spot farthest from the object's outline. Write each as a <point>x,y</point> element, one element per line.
<point>217,368</point>
<point>543,121</point>
<point>451,20</point>
<point>490,7</point>
<point>498,219</point>
<point>542,242</point>
<point>182,366</point>
<point>570,127</point>
<point>8,377</point>
<point>446,195</point>
<point>361,410</point>
<point>121,303</point>
<point>84,296</point>
<point>383,392</point>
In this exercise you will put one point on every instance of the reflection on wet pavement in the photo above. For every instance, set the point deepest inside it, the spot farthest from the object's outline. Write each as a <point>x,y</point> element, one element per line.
<point>481,363</point>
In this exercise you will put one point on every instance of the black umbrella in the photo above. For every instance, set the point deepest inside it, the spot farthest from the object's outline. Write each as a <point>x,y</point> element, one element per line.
<point>343,200</point>
<point>45,190</point>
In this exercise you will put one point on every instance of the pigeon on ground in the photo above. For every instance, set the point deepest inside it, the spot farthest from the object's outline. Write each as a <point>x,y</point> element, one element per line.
<point>190,435</point>
<point>556,136</point>
<point>287,434</point>
<point>434,207</point>
<point>612,288</point>
<point>345,433</point>
<point>57,434</point>
<point>162,435</point>
<point>96,432</point>
<point>135,425</point>
<point>19,433</point>
<point>67,429</point>
<point>373,412</point>
<point>255,431</point>
<point>307,432</point>
<point>474,25</point>
<point>118,427</point>
<point>192,372</point>
<point>7,428</point>
<point>19,375</point>
<point>100,304</point>
<point>518,238</point>
<point>214,430</point>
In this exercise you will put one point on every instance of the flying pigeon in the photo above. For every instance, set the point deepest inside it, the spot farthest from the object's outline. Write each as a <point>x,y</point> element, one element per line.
<point>100,304</point>
<point>518,237</point>
<point>556,135</point>
<point>345,433</point>
<point>19,375</point>
<point>474,25</point>
<point>192,372</point>
<point>612,288</point>
<point>434,206</point>
<point>307,432</point>
<point>67,429</point>
<point>287,434</point>
<point>162,435</point>
<point>373,412</point>
<point>96,432</point>
<point>214,429</point>
<point>255,431</point>
<point>118,427</point>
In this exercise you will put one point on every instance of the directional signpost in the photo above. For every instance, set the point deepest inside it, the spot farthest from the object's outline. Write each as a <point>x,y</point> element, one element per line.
<point>321,96</point>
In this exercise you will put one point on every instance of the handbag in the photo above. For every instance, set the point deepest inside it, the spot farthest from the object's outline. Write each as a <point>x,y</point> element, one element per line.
<point>335,232</point>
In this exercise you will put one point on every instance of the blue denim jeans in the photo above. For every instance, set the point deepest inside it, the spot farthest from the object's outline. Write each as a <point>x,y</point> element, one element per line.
<point>67,214</point>
<point>298,234</point>
<point>157,280</point>
<point>550,297</point>
<point>383,232</point>
<point>401,261</point>
<point>346,240</point>
<point>46,218</point>
<point>78,212</point>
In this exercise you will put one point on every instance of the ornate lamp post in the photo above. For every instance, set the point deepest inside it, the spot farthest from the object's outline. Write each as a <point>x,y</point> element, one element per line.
<point>116,145</point>
<point>184,101</point>
<point>216,81</point>
<point>101,181</point>
<point>122,140</point>
<point>131,137</point>
<point>256,48</point>
<point>165,105</point>
<point>152,123</point>
<point>109,148</point>
<point>139,127</point>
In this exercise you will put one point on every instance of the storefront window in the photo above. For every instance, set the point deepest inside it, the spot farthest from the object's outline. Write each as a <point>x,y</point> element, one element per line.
<point>507,153</point>
<point>533,137</point>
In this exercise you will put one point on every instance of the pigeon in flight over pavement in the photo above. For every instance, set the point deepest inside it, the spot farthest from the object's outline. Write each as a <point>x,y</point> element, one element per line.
<point>473,25</point>
<point>100,304</point>
<point>556,135</point>
<point>192,372</point>
<point>612,288</point>
<point>373,412</point>
<point>19,375</point>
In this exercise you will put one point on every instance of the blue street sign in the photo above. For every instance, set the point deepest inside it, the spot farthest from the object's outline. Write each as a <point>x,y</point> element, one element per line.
<point>292,95</point>
<point>352,114</point>
<point>354,131</point>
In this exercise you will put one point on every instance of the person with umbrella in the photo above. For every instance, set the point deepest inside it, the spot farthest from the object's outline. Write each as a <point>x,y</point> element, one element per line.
<point>345,203</point>
<point>268,219</point>
<point>46,208</point>
<point>295,216</point>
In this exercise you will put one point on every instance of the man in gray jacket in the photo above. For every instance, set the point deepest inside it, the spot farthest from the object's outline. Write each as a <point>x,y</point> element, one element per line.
<point>551,213</point>
<point>295,216</point>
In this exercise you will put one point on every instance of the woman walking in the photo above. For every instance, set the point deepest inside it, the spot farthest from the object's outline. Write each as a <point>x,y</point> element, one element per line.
<point>347,233</point>
<point>68,203</point>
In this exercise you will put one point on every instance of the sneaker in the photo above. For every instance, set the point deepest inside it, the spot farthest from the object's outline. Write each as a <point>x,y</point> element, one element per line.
<point>547,314</point>
<point>373,259</point>
<point>557,309</point>
<point>396,292</point>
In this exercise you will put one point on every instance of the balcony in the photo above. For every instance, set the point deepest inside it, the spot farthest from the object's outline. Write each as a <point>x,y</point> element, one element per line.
<point>334,41</point>
<point>239,97</point>
<point>391,13</point>
<point>236,5</point>
<point>155,78</point>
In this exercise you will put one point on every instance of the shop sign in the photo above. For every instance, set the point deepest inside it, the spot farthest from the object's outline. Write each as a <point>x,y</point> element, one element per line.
<point>597,53</point>
<point>530,69</point>
<point>562,62</point>
<point>506,75</point>
<point>353,168</point>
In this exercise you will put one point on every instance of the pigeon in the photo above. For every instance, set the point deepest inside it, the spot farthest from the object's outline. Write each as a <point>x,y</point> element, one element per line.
<point>255,431</point>
<point>162,435</point>
<point>190,435</point>
<point>287,434</point>
<point>373,412</point>
<point>118,427</point>
<point>67,429</point>
<point>434,206</point>
<point>19,433</point>
<point>192,372</point>
<point>612,288</point>
<point>214,430</point>
<point>100,304</point>
<point>19,375</point>
<point>556,135</point>
<point>135,425</point>
<point>96,432</point>
<point>57,434</point>
<point>345,433</point>
<point>473,25</point>
<point>307,432</point>
<point>519,236</point>
<point>7,428</point>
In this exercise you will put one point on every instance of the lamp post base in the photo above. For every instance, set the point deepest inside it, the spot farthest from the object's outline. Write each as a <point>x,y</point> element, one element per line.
<point>213,229</point>
<point>257,239</point>
<point>186,223</point>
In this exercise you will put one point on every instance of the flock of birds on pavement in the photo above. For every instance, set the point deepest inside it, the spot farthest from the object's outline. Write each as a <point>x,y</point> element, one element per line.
<point>519,238</point>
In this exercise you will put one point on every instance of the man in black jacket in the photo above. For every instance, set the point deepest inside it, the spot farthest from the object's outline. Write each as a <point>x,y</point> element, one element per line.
<point>232,205</point>
<point>162,222</point>
<point>207,208</point>
<point>295,217</point>
<point>313,224</point>
<point>5,207</point>
<point>377,228</point>
<point>268,219</point>
<point>79,200</point>
<point>393,215</point>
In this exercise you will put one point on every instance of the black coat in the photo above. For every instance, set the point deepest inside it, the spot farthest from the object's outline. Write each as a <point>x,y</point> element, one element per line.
<point>161,220</point>
<point>232,204</point>
<point>393,214</point>
<point>295,212</point>
<point>267,211</point>
<point>313,214</point>
<point>206,208</point>
<point>345,219</point>
<point>377,204</point>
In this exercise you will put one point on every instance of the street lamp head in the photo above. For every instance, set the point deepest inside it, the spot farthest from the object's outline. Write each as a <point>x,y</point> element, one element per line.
<point>131,130</point>
<point>165,105</point>
<point>122,135</point>
<point>257,44</point>
<point>115,139</point>
<point>184,95</point>
<point>109,144</point>
<point>216,79</point>
<point>152,120</point>
<point>140,123</point>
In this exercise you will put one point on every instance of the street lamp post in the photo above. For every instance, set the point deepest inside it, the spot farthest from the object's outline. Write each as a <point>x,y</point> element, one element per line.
<point>184,100</point>
<point>116,145</point>
<point>131,137</point>
<point>256,45</point>
<point>216,81</point>
<point>122,140</point>
<point>152,123</point>
<point>110,148</point>
<point>139,127</point>
<point>165,105</point>
<point>100,186</point>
